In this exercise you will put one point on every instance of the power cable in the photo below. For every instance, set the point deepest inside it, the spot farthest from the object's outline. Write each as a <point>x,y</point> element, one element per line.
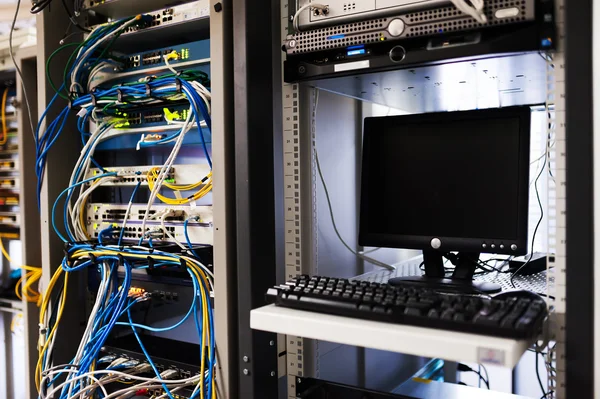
<point>537,193</point>
<point>329,205</point>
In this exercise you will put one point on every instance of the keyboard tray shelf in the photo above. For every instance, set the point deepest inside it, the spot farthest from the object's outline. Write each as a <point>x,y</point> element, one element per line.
<point>418,341</point>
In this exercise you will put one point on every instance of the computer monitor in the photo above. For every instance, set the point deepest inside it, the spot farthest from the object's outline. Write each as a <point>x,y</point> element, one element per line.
<point>453,184</point>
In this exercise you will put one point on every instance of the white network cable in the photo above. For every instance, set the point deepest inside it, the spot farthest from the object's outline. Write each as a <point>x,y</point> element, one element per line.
<point>475,9</point>
<point>309,6</point>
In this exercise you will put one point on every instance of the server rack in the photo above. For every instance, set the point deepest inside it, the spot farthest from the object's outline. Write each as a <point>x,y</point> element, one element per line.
<point>571,207</point>
<point>29,227</point>
<point>65,153</point>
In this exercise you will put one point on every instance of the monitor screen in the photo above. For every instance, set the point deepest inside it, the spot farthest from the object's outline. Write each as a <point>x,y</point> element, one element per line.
<point>460,177</point>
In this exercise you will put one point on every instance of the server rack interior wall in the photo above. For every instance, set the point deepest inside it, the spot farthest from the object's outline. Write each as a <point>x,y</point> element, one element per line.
<point>332,121</point>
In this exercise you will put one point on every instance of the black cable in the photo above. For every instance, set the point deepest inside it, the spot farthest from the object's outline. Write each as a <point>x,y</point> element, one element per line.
<point>537,193</point>
<point>537,373</point>
<point>72,18</point>
<point>486,382</point>
<point>487,376</point>
<point>40,5</point>
<point>464,368</point>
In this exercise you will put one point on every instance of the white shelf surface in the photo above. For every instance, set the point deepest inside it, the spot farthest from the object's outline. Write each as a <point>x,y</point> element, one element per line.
<point>418,341</point>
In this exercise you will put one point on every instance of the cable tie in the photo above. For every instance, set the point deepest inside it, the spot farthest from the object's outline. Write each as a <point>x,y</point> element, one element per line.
<point>178,85</point>
<point>94,100</point>
<point>93,259</point>
<point>150,263</point>
<point>121,260</point>
<point>182,265</point>
<point>148,90</point>
<point>67,257</point>
<point>119,95</point>
<point>205,178</point>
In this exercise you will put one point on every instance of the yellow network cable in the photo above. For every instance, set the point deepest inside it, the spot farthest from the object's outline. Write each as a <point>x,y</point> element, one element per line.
<point>25,284</point>
<point>16,320</point>
<point>43,310</point>
<point>4,127</point>
<point>205,184</point>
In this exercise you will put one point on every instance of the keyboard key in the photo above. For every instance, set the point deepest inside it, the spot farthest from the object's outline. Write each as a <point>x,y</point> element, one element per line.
<point>413,311</point>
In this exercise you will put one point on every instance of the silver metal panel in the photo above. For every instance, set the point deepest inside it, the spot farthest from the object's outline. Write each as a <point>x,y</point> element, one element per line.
<point>469,84</point>
<point>223,197</point>
<point>411,267</point>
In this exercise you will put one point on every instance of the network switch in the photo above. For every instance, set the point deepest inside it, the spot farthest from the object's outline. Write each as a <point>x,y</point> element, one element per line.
<point>169,26</point>
<point>111,212</point>
<point>122,8</point>
<point>193,56</point>
<point>131,175</point>
<point>103,217</point>
<point>185,53</point>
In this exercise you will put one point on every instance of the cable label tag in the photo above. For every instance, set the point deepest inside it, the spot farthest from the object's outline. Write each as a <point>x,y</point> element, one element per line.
<point>82,112</point>
<point>491,356</point>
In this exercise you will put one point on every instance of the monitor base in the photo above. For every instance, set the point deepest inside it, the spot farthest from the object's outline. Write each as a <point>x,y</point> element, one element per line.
<point>447,284</point>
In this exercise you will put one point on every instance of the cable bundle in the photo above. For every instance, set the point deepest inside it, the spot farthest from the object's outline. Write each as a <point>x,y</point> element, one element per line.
<point>108,110</point>
<point>104,114</point>
<point>25,285</point>
<point>82,378</point>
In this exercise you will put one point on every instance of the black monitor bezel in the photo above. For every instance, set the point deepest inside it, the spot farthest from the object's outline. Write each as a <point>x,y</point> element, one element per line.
<point>450,244</point>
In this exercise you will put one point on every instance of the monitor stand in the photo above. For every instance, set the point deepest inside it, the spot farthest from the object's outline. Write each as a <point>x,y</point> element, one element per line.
<point>435,275</point>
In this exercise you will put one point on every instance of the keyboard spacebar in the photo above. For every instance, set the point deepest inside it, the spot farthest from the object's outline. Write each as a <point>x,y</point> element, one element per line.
<point>326,302</point>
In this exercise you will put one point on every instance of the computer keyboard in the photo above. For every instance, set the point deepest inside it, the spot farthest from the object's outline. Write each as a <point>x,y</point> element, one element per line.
<point>517,315</point>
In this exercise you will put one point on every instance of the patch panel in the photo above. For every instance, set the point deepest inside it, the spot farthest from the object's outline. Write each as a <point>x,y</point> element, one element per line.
<point>162,351</point>
<point>101,217</point>
<point>202,235</point>
<point>103,212</point>
<point>131,175</point>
